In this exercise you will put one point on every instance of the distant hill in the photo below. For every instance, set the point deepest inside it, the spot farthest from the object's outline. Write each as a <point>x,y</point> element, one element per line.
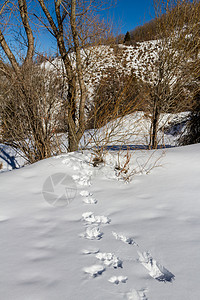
<point>149,30</point>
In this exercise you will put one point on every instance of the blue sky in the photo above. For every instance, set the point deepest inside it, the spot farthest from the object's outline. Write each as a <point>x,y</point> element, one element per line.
<point>131,13</point>
<point>125,16</point>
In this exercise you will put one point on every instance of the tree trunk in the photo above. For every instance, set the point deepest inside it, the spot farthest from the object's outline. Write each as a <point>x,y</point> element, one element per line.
<point>83,92</point>
<point>154,125</point>
<point>76,119</point>
<point>155,129</point>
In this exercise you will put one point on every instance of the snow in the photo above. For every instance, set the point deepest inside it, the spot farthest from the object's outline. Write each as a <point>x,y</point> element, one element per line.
<point>94,270</point>
<point>133,130</point>
<point>125,59</point>
<point>10,158</point>
<point>110,260</point>
<point>138,241</point>
<point>118,279</point>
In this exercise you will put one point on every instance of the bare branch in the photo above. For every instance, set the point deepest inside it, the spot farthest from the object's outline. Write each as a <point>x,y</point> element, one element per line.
<point>9,53</point>
<point>29,33</point>
<point>48,16</point>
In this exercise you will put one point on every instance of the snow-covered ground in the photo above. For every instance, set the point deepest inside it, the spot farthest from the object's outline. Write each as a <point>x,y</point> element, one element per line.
<point>72,231</point>
<point>10,158</point>
<point>132,130</point>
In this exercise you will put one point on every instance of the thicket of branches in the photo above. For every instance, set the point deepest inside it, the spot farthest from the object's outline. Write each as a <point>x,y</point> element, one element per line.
<point>30,111</point>
<point>116,94</point>
<point>29,98</point>
<point>170,74</point>
<point>38,102</point>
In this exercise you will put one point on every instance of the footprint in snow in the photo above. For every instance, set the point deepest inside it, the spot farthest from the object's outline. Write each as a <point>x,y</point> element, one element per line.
<point>123,238</point>
<point>88,197</point>
<point>89,200</point>
<point>92,233</point>
<point>90,218</point>
<point>110,260</point>
<point>156,270</point>
<point>118,279</point>
<point>83,180</point>
<point>67,161</point>
<point>90,251</point>
<point>136,295</point>
<point>94,270</point>
<point>85,193</point>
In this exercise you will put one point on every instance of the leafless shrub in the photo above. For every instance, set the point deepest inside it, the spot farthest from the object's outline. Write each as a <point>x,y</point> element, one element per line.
<point>170,74</point>
<point>116,95</point>
<point>122,168</point>
<point>30,109</point>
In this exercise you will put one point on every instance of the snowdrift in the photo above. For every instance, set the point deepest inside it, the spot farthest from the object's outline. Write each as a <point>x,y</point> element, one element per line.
<point>72,231</point>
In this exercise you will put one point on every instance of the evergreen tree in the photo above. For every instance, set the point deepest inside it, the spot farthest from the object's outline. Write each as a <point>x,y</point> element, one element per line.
<point>127,38</point>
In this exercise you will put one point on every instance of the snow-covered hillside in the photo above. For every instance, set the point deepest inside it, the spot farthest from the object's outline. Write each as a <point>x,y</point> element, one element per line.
<point>97,60</point>
<point>132,130</point>
<point>72,231</point>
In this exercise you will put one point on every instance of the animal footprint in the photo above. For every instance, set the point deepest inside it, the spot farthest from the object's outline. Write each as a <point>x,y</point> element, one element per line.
<point>93,233</point>
<point>94,270</point>
<point>155,269</point>
<point>136,295</point>
<point>88,197</point>
<point>82,179</point>
<point>127,240</point>
<point>90,251</point>
<point>90,218</point>
<point>118,279</point>
<point>110,260</point>
<point>89,200</point>
<point>85,193</point>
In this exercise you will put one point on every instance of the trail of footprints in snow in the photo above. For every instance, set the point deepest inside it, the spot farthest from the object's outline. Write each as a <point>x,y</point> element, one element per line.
<point>92,232</point>
<point>156,270</point>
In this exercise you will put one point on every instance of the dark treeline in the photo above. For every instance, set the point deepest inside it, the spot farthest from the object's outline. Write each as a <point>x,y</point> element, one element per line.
<point>149,30</point>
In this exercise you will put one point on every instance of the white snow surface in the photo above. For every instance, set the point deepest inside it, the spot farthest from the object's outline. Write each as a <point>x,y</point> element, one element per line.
<point>132,130</point>
<point>10,158</point>
<point>57,252</point>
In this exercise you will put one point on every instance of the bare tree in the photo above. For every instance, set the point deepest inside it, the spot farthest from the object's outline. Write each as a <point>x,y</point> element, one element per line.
<point>73,27</point>
<point>28,94</point>
<point>30,118</point>
<point>29,35</point>
<point>168,72</point>
<point>76,27</point>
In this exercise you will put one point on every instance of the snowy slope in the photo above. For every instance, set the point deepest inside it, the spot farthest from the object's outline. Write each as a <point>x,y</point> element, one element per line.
<point>134,130</point>
<point>102,239</point>
<point>131,130</point>
<point>124,59</point>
